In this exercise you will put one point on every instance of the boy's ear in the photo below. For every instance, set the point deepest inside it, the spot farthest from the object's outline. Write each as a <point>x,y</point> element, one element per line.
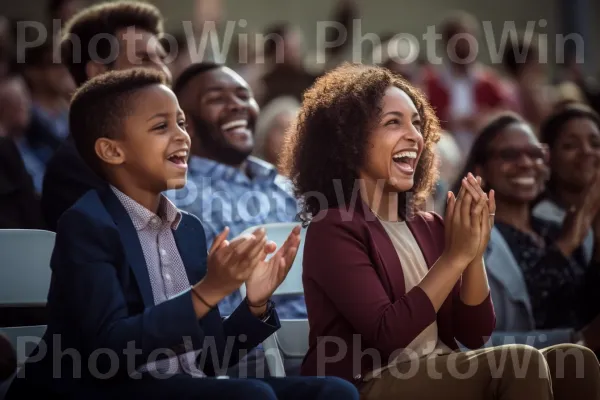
<point>109,151</point>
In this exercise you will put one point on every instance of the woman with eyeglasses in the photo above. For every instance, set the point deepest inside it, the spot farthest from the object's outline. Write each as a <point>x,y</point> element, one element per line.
<point>542,293</point>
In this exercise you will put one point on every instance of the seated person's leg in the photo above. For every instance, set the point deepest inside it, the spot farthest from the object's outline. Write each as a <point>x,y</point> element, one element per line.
<point>506,372</point>
<point>184,387</point>
<point>254,365</point>
<point>574,370</point>
<point>313,388</point>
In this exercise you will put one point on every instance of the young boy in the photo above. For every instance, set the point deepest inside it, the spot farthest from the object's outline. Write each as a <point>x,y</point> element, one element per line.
<point>133,297</point>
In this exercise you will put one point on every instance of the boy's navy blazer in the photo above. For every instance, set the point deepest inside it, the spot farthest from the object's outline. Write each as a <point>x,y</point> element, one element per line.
<point>101,298</point>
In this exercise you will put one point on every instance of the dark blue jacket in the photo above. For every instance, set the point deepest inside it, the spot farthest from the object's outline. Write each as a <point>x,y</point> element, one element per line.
<point>101,298</point>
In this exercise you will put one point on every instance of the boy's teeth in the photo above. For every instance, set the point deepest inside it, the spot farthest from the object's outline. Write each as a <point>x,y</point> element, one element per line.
<point>180,154</point>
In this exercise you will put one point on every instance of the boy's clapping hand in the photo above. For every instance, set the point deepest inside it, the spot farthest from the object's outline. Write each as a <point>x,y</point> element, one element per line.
<point>230,264</point>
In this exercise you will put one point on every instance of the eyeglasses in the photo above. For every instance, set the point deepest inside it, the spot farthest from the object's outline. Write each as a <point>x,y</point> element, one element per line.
<point>514,154</point>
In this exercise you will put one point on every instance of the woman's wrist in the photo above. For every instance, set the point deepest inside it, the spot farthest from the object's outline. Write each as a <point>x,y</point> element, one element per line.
<point>454,261</point>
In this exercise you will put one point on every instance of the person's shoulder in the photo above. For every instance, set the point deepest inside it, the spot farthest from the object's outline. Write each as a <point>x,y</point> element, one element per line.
<point>87,233</point>
<point>548,210</point>
<point>546,227</point>
<point>491,80</point>
<point>338,221</point>
<point>285,184</point>
<point>487,74</point>
<point>65,160</point>
<point>190,221</point>
<point>67,172</point>
<point>89,211</point>
<point>340,214</point>
<point>66,151</point>
<point>280,181</point>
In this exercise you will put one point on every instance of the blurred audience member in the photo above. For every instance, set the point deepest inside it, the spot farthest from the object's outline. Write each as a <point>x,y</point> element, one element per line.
<point>344,14</point>
<point>15,100</point>
<point>19,204</point>
<point>284,57</point>
<point>15,118</point>
<point>68,177</point>
<point>462,89</point>
<point>572,134</point>
<point>207,11</point>
<point>450,163</point>
<point>272,127</point>
<point>528,82</point>
<point>226,186</point>
<point>544,283</point>
<point>177,48</point>
<point>64,10</point>
<point>588,86</point>
<point>248,61</point>
<point>5,46</point>
<point>50,85</point>
<point>393,53</point>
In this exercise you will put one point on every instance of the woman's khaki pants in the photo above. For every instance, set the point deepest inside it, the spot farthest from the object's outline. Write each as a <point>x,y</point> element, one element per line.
<point>511,372</point>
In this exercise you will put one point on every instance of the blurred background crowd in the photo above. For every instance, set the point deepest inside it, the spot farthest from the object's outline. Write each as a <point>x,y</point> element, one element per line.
<point>528,58</point>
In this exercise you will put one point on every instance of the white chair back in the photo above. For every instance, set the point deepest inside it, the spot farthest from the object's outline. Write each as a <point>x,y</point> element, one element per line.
<point>25,266</point>
<point>278,233</point>
<point>292,338</point>
<point>24,281</point>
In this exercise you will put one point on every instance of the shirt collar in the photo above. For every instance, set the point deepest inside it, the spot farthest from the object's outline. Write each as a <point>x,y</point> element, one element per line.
<point>142,217</point>
<point>259,170</point>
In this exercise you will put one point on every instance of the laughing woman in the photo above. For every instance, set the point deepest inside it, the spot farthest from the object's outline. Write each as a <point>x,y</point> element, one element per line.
<point>391,291</point>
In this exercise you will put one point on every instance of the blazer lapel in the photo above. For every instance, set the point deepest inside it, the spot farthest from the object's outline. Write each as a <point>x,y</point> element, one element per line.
<point>188,241</point>
<point>389,262</point>
<point>131,245</point>
<point>502,266</point>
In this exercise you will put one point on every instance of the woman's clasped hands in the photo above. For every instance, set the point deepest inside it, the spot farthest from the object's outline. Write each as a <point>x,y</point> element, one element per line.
<point>468,222</point>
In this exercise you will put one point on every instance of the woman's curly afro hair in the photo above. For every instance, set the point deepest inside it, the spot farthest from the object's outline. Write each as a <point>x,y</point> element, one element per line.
<point>327,143</point>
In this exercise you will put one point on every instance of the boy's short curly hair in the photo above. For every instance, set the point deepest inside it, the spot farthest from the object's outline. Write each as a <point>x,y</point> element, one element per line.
<point>329,138</point>
<point>100,106</point>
